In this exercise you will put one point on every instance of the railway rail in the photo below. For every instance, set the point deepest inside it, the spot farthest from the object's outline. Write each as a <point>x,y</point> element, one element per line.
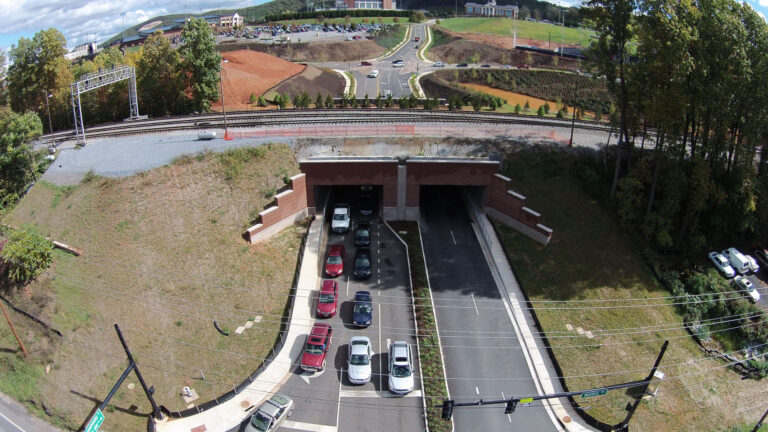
<point>273,118</point>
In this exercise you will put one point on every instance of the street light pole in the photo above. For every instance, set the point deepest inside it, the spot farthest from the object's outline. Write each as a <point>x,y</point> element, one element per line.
<point>223,105</point>
<point>50,126</point>
<point>562,34</point>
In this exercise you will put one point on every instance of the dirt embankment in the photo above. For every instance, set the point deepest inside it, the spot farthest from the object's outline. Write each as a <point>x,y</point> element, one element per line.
<point>486,50</point>
<point>312,81</point>
<point>251,72</point>
<point>355,50</point>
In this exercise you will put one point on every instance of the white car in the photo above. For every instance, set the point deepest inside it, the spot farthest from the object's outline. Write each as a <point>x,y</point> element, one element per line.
<point>400,368</point>
<point>359,360</point>
<point>271,414</point>
<point>752,262</point>
<point>744,283</point>
<point>722,263</point>
<point>340,222</point>
<point>387,93</point>
<point>374,73</point>
<point>439,64</point>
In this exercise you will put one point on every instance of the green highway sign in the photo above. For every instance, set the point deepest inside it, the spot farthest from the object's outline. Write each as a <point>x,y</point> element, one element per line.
<point>96,421</point>
<point>594,393</point>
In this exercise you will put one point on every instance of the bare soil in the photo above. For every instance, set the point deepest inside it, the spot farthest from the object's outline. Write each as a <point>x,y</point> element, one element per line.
<point>353,50</point>
<point>312,80</point>
<point>251,72</point>
<point>486,50</point>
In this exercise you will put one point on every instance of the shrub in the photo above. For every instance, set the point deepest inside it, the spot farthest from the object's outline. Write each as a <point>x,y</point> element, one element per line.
<point>27,253</point>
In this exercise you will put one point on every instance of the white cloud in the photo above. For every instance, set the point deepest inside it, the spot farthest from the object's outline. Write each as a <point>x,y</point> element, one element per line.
<point>92,20</point>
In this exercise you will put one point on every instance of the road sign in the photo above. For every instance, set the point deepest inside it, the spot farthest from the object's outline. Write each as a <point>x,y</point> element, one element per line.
<point>96,421</point>
<point>526,401</point>
<point>594,393</point>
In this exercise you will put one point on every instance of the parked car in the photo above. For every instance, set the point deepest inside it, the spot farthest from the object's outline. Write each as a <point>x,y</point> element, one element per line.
<point>439,64</point>
<point>721,262</point>
<point>416,39</point>
<point>400,368</point>
<point>362,312</point>
<point>340,222</point>
<point>746,285</point>
<point>737,260</point>
<point>752,262</point>
<point>523,66</point>
<point>363,234</point>
<point>462,65</point>
<point>486,66</point>
<point>374,73</point>
<point>357,37</point>
<point>366,63</point>
<point>362,263</point>
<point>359,360</point>
<point>271,414</point>
<point>398,63</point>
<point>334,266</point>
<point>328,299</point>
<point>367,205</point>
<point>316,347</point>
<point>506,66</point>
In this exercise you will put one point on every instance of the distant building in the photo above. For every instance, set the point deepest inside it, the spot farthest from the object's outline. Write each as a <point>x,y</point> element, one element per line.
<point>366,4</point>
<point>224,21</point>
<point>82,50</point>
<point>490,9</point>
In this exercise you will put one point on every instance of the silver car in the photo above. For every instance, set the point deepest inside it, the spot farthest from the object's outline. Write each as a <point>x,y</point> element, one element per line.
<point>400,368</point>
<point>271,414</point>
<point>359,360</point>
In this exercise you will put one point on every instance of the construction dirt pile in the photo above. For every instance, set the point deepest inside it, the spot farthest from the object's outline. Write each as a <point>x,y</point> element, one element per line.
<point>251,72</point>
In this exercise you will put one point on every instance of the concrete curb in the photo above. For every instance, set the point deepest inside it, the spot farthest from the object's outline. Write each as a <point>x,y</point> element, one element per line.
<point>535,355</point>
<point>233,412</point>
<point>422,54</point>
<point>347,82</point>
<point>398,46</point>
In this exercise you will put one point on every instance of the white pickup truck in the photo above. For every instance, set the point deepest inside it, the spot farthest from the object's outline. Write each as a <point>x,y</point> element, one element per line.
<point>340,221</point>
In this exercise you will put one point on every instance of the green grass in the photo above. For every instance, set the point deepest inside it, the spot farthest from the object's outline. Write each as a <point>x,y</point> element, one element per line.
<point>356,20</point>
<point>590,258</point>
<point>391,38</point>
<point>525,29</point>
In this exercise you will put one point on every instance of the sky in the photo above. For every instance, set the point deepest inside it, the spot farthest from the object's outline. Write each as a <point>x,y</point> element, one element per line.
<point>97,20</point>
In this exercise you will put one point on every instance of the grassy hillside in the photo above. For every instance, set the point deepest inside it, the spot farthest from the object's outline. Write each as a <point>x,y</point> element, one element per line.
<point>525,29</point>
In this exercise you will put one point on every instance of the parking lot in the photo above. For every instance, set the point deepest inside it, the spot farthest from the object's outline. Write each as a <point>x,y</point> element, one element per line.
<point>326,401</point>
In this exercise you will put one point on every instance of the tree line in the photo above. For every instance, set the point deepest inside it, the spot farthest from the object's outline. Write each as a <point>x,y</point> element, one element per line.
<point>691,101</point>
<point>169,81</point>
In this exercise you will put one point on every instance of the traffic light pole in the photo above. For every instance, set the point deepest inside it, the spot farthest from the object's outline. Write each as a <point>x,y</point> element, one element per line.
<point>512,403</point>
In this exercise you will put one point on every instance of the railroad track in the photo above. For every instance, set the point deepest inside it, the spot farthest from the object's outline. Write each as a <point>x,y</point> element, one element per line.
<point>273,118</point>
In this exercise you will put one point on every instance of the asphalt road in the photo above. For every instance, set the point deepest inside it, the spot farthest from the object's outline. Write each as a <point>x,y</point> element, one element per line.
<point>482,355</point>
<point>326,401</point>
<point>15,418</point>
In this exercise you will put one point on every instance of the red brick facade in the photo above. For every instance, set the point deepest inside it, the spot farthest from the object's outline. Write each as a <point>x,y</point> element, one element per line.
<point>288,206</point>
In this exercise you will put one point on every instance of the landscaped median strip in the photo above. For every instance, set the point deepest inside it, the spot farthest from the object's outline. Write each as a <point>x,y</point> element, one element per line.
<point>429,348</point>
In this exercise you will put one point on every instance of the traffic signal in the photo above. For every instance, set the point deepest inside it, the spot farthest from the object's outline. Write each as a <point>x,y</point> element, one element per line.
<point>447,409</point>
<point>511,405</point>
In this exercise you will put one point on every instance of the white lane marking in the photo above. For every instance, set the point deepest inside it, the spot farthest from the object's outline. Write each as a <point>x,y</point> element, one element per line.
<point>347,285</point>
<point>477,390</point>
<point>338,401</point>
<point>290,424</point>
<point>388,342</point>
<point>12,423</point>
<point>454,238</point>
<point>376,393</point>
<point>475,303</point>
<point>509,416</point>
<point>305,378</point>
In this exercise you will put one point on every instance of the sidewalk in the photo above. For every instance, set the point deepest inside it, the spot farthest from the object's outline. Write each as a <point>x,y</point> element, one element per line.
<point>543,371</point>
<point>231,413</point>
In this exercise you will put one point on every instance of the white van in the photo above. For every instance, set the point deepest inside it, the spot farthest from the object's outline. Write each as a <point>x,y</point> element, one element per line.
<point>737,259</point>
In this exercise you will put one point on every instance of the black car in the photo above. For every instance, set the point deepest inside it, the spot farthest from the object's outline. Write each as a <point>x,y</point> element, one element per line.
<point>362,314</point>
<point>363,234</point>
<point>362,263</point>
<point>366,204</point>
<point>486,65</point>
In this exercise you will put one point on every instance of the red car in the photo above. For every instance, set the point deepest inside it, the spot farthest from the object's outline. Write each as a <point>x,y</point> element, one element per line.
<point>335,264</point>
<point>523,66</point>
<point>366,63</point>
<point>329,296</point>
<point>318,342</point>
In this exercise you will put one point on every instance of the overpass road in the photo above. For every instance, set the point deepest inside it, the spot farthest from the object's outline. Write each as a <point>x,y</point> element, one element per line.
<point>482,354</point>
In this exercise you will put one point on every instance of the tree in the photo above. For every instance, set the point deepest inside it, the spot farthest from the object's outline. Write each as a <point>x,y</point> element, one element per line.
<point>201,64</point>
<point>328,101</point>
<point>252,99</point>
<point>417,17</point>
<point>27,254</point>
<point>366,101</point>
<point>527,106</point>
<point>17,163</point>
<point>319,101</point>
<point>518,108</point>
<point>546,107</point>
<point>541,111</point>
<point>157,77</point>
<point>38,68</point>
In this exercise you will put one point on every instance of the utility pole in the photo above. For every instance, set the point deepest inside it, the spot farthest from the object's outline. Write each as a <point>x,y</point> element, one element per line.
<point>760,422</point>
<point>624,425</point>
<point>223,105</point>
<point>50,125</point>
<point>13,330</point>
<point>98,416</point>
<point>573,118</point>
<point>562,35</point>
